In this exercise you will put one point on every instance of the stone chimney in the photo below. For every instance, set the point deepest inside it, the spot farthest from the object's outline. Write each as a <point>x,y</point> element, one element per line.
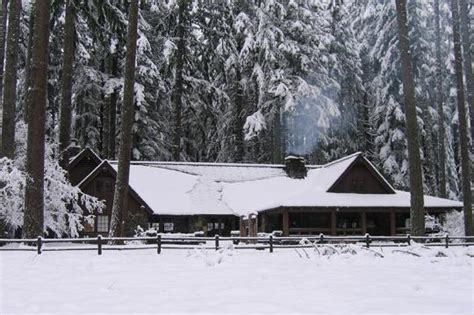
<point>73,149</point>
<point>295,167</point>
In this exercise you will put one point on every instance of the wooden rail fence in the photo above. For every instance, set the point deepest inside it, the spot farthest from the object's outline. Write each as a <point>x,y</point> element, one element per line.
<point>270,242</point>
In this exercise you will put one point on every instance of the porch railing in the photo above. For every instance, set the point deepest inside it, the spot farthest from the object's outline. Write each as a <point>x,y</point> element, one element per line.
<point>270,242</point>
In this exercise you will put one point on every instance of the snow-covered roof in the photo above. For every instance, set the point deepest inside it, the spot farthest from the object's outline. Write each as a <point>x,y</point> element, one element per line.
<point>221,172</point>
<point>176,192</point>
<point>171,188</point>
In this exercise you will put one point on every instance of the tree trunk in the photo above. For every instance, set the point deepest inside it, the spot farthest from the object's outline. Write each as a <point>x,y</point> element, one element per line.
<point>112,124</point>
<point>10,79</point>
<point>29,54</point>
<point>277,138</point>
<point>105,121</point>
<point>179,80</point>
<point>466,45</point>
<point>108,141</point>
<point>238,123</point>
<point>66,84</point>
<point>3,33</point>
<point>439,100</point>
<point>463,133</point>
<point>121,186</point>
<point>36,101</point>
<point>416,183</point>
<point>366,126</point>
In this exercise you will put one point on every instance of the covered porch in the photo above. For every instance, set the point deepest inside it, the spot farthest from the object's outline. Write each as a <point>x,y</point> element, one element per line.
<point>337,221</point>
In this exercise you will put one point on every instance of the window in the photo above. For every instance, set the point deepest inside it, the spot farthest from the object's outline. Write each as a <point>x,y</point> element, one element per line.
<point>210,226</point>
<point>102,223</point>
<point>155,226</point>
<point>104,185</point>
<point>169,227</point>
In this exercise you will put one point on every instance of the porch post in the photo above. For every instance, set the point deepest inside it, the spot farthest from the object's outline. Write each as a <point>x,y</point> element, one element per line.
<point>286,223</point>
<point>364,222</point>
<point>333,222</point>
<point>253,225</point>
<point>393,227</point>
<point>242,227</point>
<point>264,222</point>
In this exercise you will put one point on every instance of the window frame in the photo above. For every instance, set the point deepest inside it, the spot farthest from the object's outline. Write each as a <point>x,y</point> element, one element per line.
<point>100,223</point>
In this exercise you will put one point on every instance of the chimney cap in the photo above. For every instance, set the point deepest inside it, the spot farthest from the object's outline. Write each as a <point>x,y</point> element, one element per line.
<point>294,157</point>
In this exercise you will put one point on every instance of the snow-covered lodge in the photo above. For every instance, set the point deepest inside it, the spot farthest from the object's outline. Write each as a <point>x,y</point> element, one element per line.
<point>348,196</point>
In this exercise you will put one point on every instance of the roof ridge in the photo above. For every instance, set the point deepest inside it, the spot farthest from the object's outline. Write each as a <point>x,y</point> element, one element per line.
<point>79,155</point>
<point>92,172</point>
<point>345,158</point>
<point>210,164</point>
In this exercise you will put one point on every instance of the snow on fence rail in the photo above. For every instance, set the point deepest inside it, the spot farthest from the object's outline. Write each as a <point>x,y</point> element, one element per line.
<point>270,242</point>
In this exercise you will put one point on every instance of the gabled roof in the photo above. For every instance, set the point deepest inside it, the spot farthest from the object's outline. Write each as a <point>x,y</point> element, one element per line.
<point>86,153</point>
<point>205,188</point>
<point>359,158</point>
<point>180,188</point>
<point>105,166</point>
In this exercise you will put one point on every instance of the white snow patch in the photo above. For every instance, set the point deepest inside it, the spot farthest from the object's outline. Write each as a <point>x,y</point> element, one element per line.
<point>335,281</point>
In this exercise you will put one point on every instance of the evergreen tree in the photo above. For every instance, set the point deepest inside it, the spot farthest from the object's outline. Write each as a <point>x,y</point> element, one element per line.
<point>463,130</point>
<point>439,100</point>
<point>416,182</point>
<point>178,88</point>
<point>3,32</point>
<point>66,83</point>
<point>121,186</point>
<point>10,81</point>
<point>465,28</point>
<point>34,191</point>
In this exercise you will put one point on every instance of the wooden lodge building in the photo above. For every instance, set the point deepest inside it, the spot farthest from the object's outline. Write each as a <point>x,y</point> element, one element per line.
<point>346,197</point>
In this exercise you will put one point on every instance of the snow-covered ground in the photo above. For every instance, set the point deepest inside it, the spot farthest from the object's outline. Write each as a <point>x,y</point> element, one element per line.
<point>243,281</point>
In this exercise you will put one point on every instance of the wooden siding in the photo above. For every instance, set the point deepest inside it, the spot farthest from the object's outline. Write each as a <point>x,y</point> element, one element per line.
<point>359,179</point>
<point>81,170</point>
<point>102,187</point>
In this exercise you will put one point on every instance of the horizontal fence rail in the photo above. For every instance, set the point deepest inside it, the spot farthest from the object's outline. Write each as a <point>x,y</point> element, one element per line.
<point>270,242</point>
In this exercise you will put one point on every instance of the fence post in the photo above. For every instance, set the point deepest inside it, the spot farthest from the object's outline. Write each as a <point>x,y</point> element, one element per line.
<point>158,243</point>
<point>447,240</point>
<point>217,241</point>
<point>321,238</point>
<point>367,240</point>
<point>39,244</point>
<point>99,244</point>
<point>409,239</point>
<point>271,243</point>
